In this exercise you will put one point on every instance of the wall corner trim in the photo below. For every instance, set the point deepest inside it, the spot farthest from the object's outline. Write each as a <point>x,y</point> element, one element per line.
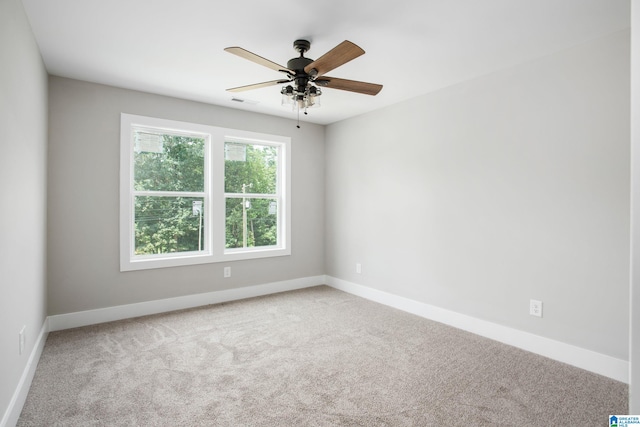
<point>14,409</point>
<point>589,360</point>
<point>109,314</point>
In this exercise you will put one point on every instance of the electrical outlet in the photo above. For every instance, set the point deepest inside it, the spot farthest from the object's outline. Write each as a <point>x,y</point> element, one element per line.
<point>21,340</point>
<point>535,308</point>
<point>358,268</point>
<point>227,272</point>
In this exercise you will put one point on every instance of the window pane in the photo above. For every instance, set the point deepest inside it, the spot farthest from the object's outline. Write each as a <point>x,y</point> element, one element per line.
<point>169,224</point>
<point>164,162</point>
<point>250,166</point>
<point>251,222</point>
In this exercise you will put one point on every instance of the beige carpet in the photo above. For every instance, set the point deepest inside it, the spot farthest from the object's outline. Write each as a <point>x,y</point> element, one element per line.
<point>314,357</point>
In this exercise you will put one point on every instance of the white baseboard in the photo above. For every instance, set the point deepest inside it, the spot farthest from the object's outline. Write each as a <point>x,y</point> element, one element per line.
<point>14,409</point>
<point>576,356</point>
<point>109,314</point>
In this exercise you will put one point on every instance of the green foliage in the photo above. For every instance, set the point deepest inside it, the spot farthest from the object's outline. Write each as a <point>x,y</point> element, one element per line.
<point>259,171</point>
<point>165,224</point>
<point>262,227</point>
<point>258,174</point>
<point>168,224</point>
<point>179,167</point>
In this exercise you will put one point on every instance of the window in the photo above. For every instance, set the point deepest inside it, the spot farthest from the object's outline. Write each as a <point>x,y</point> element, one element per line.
<point>251,196</point>
<point>192,194</point>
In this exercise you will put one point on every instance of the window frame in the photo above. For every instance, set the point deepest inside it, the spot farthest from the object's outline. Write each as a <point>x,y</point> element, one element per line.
<point>214,194</point>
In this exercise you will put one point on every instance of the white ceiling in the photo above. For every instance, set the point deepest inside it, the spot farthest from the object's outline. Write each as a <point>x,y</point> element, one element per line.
<point>412,47</point>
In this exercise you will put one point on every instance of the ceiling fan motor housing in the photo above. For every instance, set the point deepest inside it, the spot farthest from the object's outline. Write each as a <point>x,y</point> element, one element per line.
<point>297,64</point>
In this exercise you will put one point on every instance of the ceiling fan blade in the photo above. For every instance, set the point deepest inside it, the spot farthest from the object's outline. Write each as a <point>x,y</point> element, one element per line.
<point>257,85</point>
<point>339,55</point>
<point>350,85</point>
<point>243,53</point>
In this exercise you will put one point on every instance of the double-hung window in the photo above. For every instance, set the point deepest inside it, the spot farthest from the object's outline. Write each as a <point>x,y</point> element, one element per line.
<point>192,194</point>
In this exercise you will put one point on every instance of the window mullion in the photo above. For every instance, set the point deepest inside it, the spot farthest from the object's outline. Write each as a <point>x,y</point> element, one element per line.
<point>170,193</point>
<point>250,196</point>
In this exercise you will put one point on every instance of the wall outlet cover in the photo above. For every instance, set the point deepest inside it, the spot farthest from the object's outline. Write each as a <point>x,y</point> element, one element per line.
<point>535,308</point>
<point>21,340</point>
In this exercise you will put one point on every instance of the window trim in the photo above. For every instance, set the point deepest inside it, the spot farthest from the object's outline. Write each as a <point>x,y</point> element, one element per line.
<point>215,198</point>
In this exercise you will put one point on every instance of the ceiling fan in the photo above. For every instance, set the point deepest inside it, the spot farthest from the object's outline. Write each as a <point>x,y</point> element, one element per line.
<point>304,76</point>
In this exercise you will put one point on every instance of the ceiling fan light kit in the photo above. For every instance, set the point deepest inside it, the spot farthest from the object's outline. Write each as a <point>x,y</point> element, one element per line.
<point>304,76</point>
<point>301,100</point>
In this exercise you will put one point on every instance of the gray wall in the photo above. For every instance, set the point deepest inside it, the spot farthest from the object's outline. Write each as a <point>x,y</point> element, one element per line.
<point>23,138</point>
<point>83,247</point>
<point>634,388</point>
<point>484,195</point>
